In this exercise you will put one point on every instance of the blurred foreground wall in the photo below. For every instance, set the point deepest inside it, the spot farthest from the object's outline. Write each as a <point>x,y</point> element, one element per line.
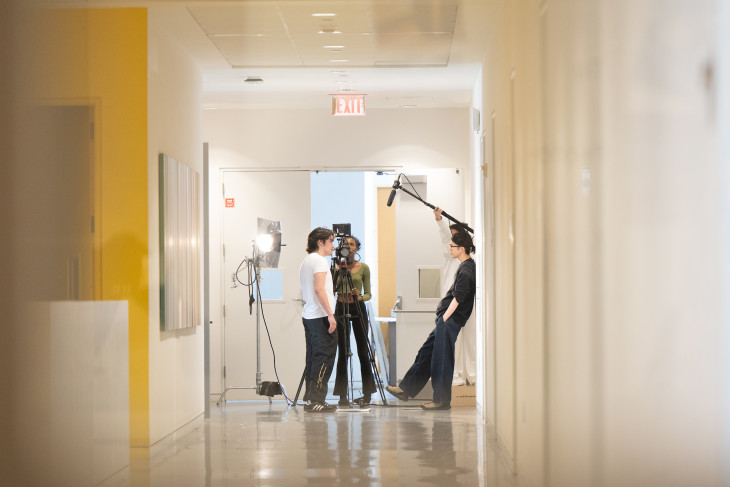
<point>603,136</point>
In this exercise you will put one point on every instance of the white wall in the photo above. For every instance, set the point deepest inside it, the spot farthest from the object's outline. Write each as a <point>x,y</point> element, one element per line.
<point>313,138</point>
<point>723,130</point>
<point>410,140</point>
<point>659,242</point>
<point>175,100</point>
<point>481,167</point>
<point>608,197</point>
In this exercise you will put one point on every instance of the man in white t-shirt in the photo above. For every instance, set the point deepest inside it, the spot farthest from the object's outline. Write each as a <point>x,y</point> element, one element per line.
<point>320,327</point>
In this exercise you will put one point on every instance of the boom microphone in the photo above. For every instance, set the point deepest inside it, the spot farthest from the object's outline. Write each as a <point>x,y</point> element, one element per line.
<point>391,197</point>
<point>396,184</point>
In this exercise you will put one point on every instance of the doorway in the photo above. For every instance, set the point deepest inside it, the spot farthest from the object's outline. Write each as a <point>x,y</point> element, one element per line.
<point>302,200</point>
<point>60,193</point>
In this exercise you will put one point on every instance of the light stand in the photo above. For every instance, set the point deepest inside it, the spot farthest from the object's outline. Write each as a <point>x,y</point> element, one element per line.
<point>397,185</point>
<point>250,262</point>
<point>265,248</point>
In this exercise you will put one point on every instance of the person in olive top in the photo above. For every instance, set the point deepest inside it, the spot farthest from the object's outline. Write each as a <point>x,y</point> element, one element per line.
<point>356,296</point>
<point>435,359</point>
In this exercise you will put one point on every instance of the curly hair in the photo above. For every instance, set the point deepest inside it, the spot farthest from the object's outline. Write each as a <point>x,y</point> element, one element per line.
<point>319,233</point>
<point>463,239</point>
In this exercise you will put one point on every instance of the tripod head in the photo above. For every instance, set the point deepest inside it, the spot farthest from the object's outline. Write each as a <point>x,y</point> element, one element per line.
<point>342,251</point>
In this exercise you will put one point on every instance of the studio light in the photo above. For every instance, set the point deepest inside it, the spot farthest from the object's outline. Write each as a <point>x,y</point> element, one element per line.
<point>268,243</point>
<point>264,242</point>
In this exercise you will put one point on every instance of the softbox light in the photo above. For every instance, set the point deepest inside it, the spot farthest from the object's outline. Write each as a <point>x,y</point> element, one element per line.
<point>268,243</point>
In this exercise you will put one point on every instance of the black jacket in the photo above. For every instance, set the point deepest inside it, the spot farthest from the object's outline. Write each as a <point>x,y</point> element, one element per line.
<point>463,290</point>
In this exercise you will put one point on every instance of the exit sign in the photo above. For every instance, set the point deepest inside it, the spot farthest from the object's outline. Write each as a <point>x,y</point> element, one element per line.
<point>348,105</point>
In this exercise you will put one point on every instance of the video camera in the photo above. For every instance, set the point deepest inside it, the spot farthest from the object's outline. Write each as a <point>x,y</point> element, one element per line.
<point>342,232</point>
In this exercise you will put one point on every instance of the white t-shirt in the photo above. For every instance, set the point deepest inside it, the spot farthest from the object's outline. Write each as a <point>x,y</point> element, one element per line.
<point>312,264</point>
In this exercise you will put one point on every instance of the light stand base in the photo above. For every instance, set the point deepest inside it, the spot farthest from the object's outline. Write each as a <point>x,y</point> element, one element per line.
<point>225,391</point>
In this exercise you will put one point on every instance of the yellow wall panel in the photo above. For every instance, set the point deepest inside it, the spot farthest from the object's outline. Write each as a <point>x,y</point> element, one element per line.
<point>118,61</point>
<point>386,258</point>
<point>99,57</point>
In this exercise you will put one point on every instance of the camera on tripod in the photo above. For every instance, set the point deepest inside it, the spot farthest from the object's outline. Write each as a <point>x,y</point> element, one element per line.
<point>342,232</point>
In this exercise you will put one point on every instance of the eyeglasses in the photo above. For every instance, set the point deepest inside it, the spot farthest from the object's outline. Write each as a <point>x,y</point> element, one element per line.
<point>454,246</point>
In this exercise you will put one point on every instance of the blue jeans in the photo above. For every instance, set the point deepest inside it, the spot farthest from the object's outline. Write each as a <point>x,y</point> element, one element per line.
<point>321,350</point>
<point>435,361</point>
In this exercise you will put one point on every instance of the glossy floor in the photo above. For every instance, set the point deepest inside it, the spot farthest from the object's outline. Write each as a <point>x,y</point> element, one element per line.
<point>261,444</point>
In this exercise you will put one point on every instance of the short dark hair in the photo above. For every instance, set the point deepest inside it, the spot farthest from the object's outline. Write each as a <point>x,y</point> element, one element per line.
<point>463,239</point>
<point>458,227</point>
<point>319,233</point>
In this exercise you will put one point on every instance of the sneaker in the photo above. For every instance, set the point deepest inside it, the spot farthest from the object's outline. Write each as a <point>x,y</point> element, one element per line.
<point>436,406</point>
<point>363,401</point>
<point>320,407</point>
<point>343,401</point>
<point>397,392</point>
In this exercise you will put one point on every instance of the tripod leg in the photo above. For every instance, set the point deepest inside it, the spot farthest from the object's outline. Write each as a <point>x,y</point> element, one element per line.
<point>300,388</point>
<point>343,378</point>
<point>364,324</point>
<point>361,317</point>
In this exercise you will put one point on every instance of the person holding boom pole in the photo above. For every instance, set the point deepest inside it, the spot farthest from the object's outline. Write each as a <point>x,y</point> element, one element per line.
<point>435,359</point>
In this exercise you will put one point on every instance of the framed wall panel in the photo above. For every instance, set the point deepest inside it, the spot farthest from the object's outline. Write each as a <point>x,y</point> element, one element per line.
<point>179,245</point>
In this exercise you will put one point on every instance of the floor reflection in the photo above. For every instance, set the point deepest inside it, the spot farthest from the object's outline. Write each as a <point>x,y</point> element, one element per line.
<point>261,444</point>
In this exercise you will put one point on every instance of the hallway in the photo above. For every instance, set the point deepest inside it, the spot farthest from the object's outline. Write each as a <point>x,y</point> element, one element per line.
<point>260,444</point>
<point>590,140</point>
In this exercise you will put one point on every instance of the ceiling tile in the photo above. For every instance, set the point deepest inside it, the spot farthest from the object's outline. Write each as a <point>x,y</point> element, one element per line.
<point>258,51</point>
<point>412,49</point>
<point>358,49</point>
<point>241,19</point>
<point>414,17</point>
<point>350,18</point>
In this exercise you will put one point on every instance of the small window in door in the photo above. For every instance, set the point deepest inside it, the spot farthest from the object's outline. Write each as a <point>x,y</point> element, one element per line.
<point>272,285</point>
<point>429,282</point>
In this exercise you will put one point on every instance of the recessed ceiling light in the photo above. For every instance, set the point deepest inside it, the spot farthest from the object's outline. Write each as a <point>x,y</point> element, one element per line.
<point>329,31</point>
<point>333,47</point>
<point>216,36</point>
<point>339,60</point>
<point>324,15</point>
<point>407,106</point>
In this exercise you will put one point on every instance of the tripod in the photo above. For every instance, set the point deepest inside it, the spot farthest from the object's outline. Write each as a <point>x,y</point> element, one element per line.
<point>351,312</point>
<point>345,318</point>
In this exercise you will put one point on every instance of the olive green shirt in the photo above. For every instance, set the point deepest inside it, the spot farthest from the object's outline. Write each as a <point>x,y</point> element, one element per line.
<point>360,280</point>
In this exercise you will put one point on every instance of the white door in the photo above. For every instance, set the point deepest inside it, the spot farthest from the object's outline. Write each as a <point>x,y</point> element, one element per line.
<point>418,246</point>
<point>280,196</point>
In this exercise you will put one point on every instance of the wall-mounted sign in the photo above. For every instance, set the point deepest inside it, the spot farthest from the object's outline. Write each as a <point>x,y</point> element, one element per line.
<point>348,105</point>
<point>230,202</point>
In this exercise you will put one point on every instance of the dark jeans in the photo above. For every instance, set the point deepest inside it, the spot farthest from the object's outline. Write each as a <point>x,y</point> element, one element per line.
<point>360,330</point>
<point>321,349</point>
<point>435,361</point>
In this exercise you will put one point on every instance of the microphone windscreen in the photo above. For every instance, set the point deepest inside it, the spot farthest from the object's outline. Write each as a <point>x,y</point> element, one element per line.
<point>391,197</point>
